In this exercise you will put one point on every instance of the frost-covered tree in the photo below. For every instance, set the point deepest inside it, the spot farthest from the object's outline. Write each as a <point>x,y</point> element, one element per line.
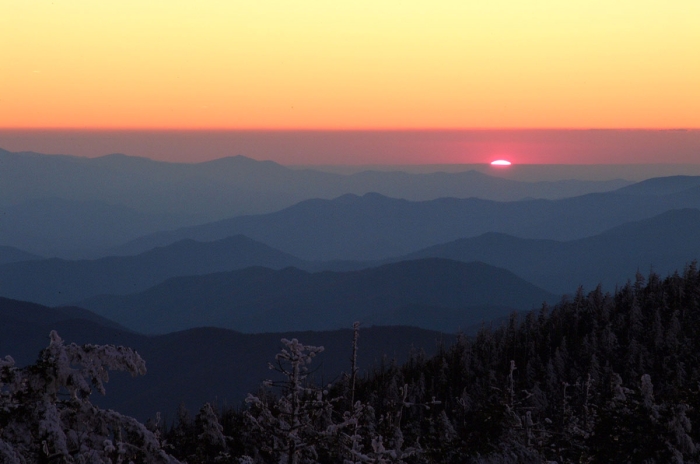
<point>46,414</point>
<point>304,425</point>
<point>292,425</point>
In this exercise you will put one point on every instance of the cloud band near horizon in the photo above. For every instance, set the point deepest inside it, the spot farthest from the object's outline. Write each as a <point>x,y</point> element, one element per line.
<point>373,147</point>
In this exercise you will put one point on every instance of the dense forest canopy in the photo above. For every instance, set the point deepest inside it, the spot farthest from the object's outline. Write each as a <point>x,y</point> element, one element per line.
<point>596,378</point>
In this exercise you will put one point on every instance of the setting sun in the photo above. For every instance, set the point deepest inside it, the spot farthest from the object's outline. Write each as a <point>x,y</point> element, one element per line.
<point>501,162</point>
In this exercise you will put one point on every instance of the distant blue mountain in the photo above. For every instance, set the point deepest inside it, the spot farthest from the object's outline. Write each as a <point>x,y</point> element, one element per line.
<point>67,206</point>
<point>664,243</point>
<point>25,313</point>
<point>13,255</point>
<point>434,294</point>
<point>239,185</point>
<point>50,226</point>
<point>661,185</point>
<point>58,281</point>
<point>374,227</point>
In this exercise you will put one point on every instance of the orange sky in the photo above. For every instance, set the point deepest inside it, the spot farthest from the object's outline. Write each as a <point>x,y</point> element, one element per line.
<point>361,64</point>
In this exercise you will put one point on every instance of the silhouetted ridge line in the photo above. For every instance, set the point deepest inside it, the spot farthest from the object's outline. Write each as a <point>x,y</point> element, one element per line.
<point>663,243</point>
<point>228,187</point>
<point>452,295</point>
<point>57,281</point>
<point>661,185</point>
<point>373,226</point>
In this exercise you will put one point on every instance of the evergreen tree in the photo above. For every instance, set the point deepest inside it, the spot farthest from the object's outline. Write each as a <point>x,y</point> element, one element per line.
<point>291,426</point>
<point>46,414</point>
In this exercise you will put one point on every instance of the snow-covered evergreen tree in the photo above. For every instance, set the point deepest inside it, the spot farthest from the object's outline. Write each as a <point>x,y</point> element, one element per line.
<point>46,414</point>
<point>291,426</point>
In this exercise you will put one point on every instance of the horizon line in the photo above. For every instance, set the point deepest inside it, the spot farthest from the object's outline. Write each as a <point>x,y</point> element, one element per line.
<point>306,129</point>
<point>486,164</point>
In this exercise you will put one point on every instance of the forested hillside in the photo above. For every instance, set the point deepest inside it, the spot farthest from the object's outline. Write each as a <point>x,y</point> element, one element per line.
<point>598,378</point>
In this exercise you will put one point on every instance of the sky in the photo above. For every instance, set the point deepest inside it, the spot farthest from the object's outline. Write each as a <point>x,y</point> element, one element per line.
<point>364,65</point>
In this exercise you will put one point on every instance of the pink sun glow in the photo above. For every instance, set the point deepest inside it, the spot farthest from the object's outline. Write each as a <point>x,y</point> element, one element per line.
<point>501,162</point>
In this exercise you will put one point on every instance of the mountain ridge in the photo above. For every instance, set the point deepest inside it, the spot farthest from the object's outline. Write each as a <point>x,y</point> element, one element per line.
<point>58,281</point>
<point>9,254</point>
<point>258,299</point>
<point>198,365</point>
<point>664,243</point>
<point>204,192</point>
<point>374,227</point>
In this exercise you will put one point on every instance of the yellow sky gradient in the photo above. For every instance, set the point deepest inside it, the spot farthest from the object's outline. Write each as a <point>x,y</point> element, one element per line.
<point>358,64</point>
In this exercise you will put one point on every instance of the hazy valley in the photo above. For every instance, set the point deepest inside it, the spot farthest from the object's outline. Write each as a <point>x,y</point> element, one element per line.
<point>203,268</point>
